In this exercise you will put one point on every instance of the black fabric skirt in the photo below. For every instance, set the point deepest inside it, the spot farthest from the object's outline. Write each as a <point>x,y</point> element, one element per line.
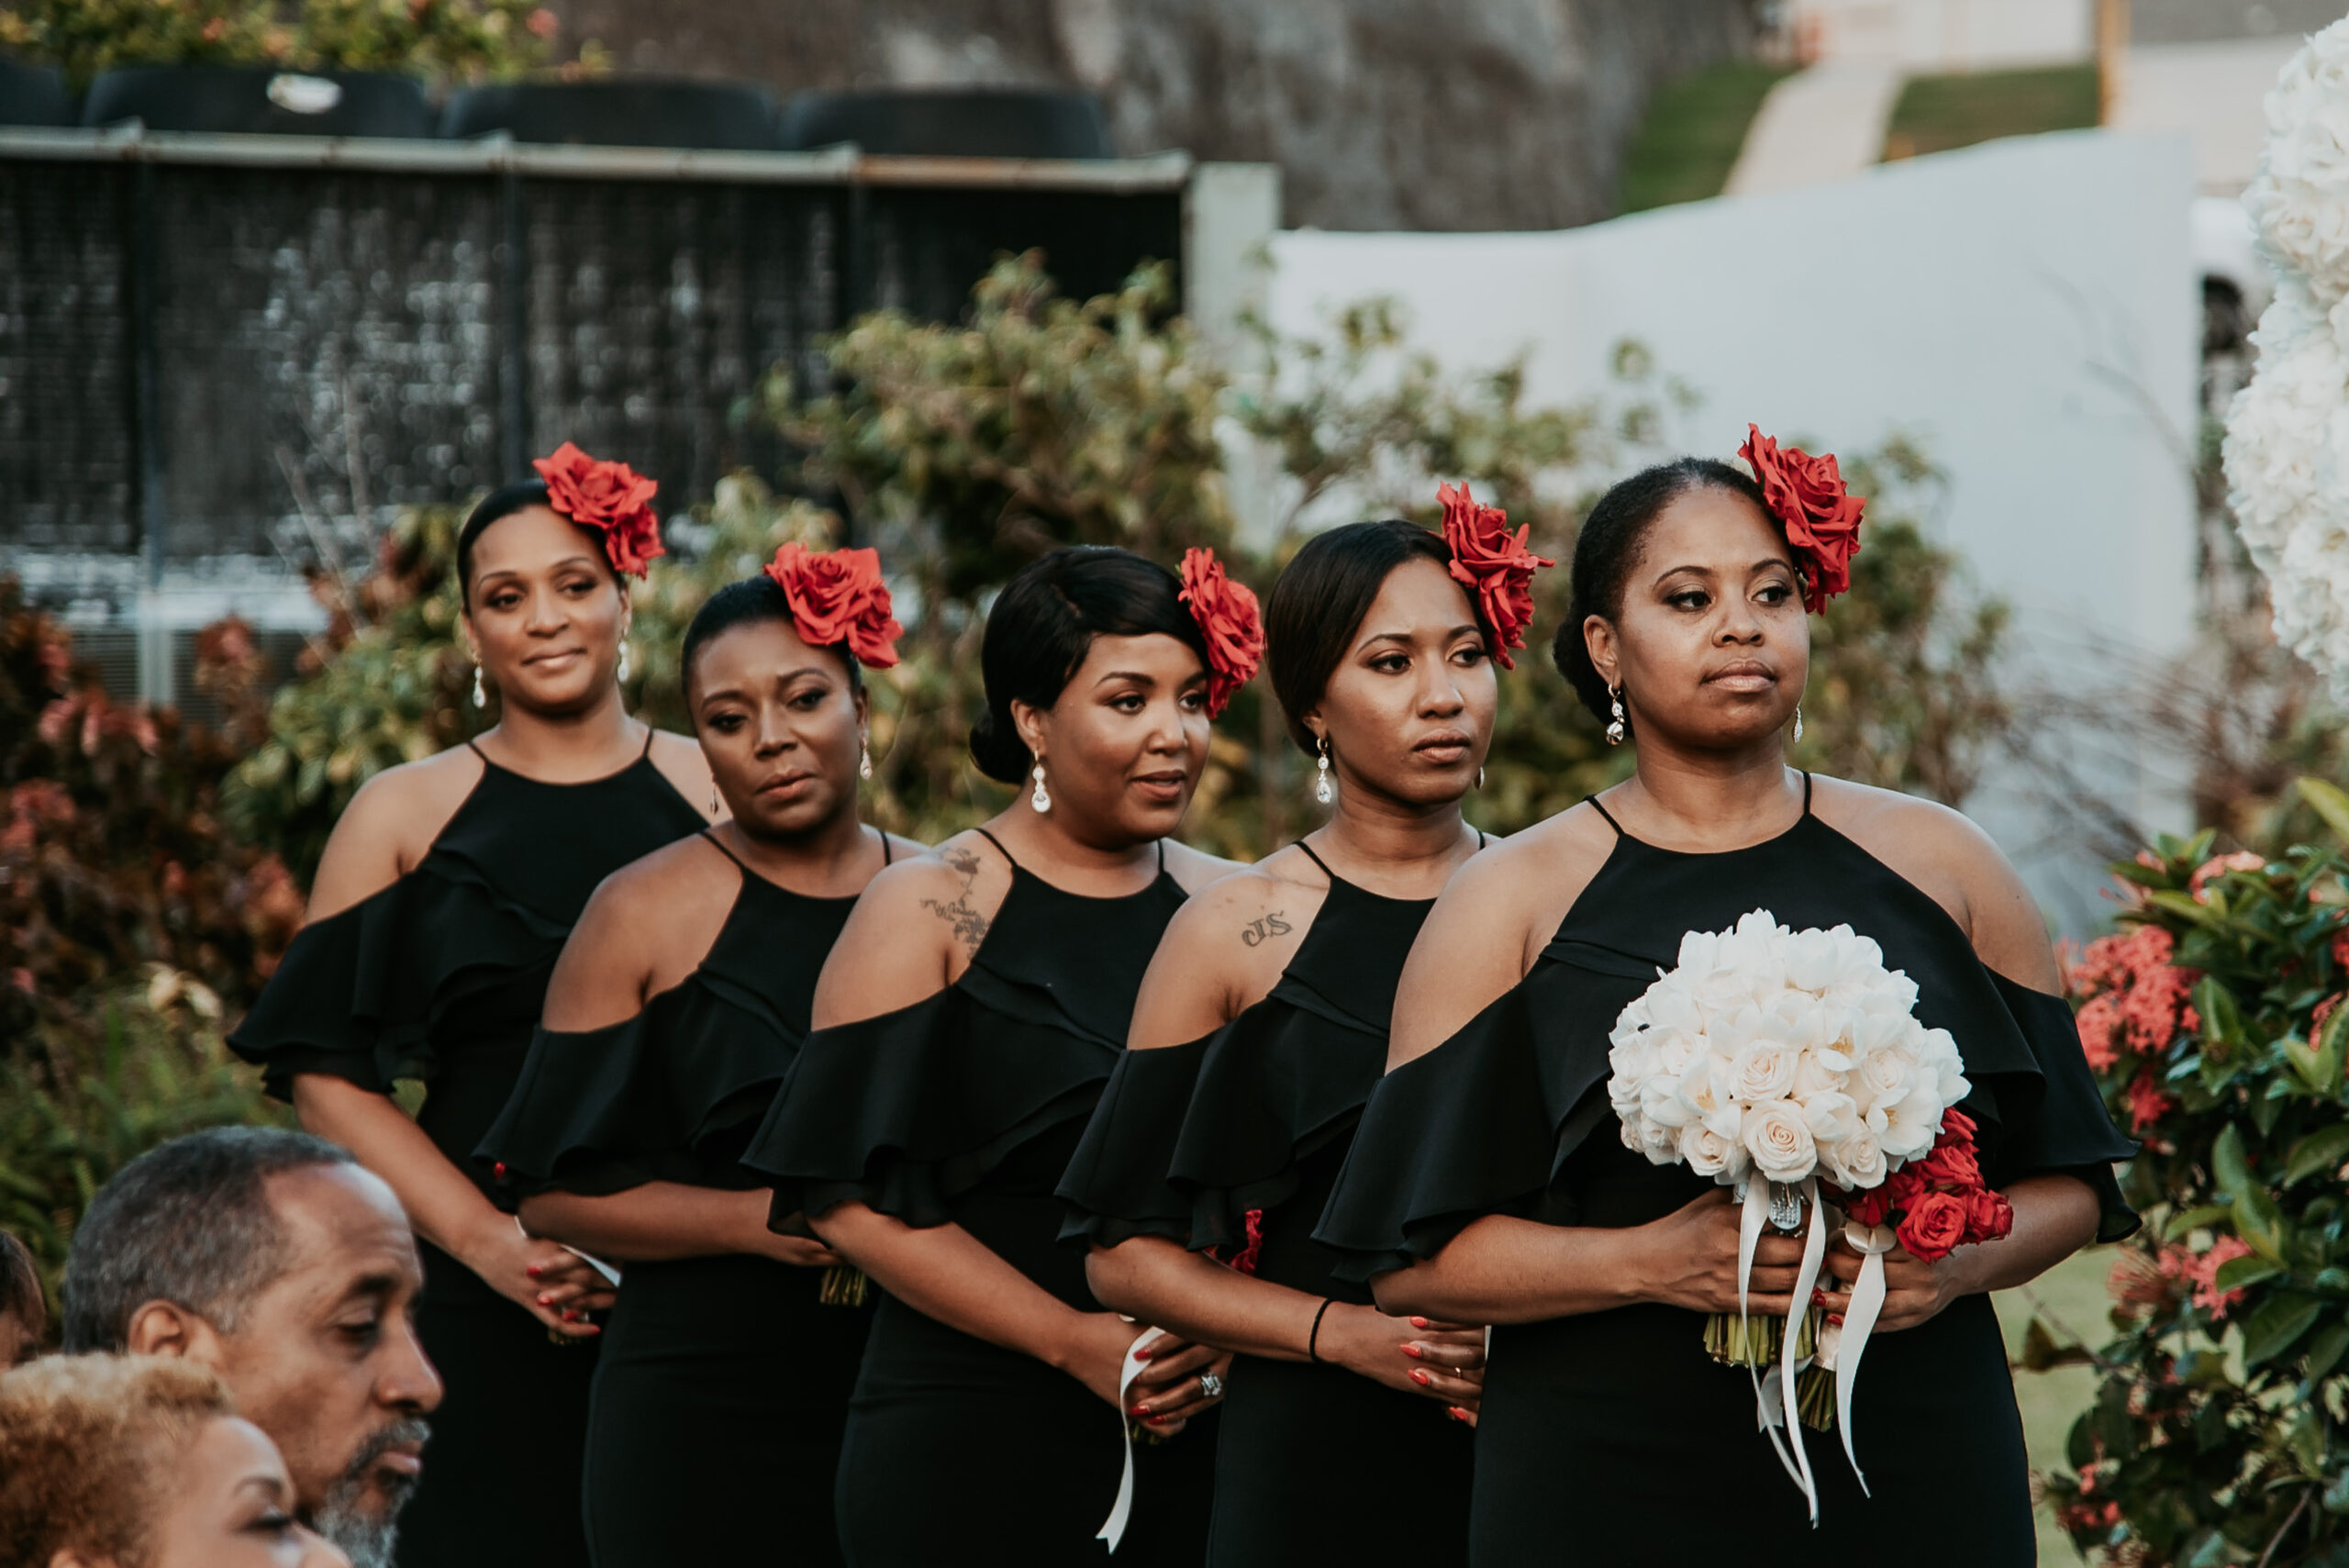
<point>501,1472</point>
<point>962,1452</point>
<point>715,1430</point>
<point>1612,1438</point>
<point>1318,1464</point>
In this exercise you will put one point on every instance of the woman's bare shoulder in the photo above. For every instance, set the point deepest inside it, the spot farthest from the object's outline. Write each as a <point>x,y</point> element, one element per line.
<point>389,826</point>
<point>1195,869</point>
<point>680,759</point>
<point>1947,856</point>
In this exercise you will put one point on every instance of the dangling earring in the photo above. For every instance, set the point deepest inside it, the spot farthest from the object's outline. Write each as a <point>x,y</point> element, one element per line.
<point>622,675</point>
<point>1797,721</point>
<point>481,698</point>
<point>865,760</point>
<point>1323,791</point>
<point>714,807</point>
<point>1616,730</point>
<point>1041,798</point>
<point>1480,778</point>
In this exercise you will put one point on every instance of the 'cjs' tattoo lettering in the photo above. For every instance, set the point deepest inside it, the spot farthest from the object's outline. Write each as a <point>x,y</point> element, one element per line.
<point>1256,932</point>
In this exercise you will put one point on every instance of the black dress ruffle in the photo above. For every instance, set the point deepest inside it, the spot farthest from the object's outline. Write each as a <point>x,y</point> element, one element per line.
<point>441,977</point>
<point>1510,1116</point>
<point>963,1109</point>
<point>722,1392</point>
<point>1190,1143</point>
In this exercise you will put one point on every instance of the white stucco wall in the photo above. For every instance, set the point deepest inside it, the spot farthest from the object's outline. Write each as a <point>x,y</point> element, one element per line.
<point>2026,310</point>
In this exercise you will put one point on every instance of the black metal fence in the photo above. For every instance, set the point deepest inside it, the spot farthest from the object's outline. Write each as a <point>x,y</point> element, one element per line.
<point>202,337</point>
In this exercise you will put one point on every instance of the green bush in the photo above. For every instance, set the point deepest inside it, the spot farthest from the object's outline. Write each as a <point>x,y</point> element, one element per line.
<point>440,40</point>
<point>2213,1019</point>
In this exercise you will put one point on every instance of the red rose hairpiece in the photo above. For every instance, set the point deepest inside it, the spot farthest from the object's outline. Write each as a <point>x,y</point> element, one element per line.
<point>1492,564</point>
<point>1821,517</point>
<point>609,496</point>
<point>837,597</point>
<point>1226,613</point>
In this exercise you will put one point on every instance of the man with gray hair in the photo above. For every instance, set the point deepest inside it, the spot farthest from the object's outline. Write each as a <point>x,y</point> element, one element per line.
<point>274,1258</point>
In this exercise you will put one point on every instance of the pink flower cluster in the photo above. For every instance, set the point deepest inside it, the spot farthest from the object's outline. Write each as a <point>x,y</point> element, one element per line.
<point>2137,1004</point>
<point>2160,1280</point>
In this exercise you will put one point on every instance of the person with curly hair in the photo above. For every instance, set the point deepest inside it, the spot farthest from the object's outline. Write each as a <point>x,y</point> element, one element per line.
<point>140,1461</point>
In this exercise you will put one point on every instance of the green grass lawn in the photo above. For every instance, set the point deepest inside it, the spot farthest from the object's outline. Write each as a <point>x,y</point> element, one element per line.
<point>2072,1293</point>
<point>1689,140</point>
<point>1937,113</point>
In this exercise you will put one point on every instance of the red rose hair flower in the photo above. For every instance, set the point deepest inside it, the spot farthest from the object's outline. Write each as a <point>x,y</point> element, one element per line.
<point>1494,565</point>
<point>1821,517</point>
<point>1228,615</point>
<point>838,599</point>
<point>609,496</point>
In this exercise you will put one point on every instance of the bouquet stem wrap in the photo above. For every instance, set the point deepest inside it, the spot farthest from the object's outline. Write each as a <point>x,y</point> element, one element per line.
<point>1113,1529</point>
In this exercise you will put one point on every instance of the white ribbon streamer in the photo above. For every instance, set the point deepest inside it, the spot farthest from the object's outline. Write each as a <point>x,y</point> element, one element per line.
<point>1872,1242</point>
<point>1113,1529</point>
<point>1775,1404</point>
<point>601,1267</point>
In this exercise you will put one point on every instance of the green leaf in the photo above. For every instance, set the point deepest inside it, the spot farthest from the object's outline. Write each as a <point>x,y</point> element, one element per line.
<point>2324,1149</point>
<point>2229,1163</point>
<point>2324,1351</point>
<point>2278,1324</point>
<point>2236,1273</point>
<point>2183,906</point>
<point>2330,803</point>
<point>2187,1221</point>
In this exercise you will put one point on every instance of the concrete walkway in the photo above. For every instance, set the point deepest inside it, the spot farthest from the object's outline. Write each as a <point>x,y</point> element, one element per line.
<point>2210,90</point>
<point>1826,123</point>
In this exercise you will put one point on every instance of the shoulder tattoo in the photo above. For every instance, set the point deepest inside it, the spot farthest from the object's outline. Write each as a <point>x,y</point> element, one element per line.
<point>969,925</point>
<point>1255,933</point>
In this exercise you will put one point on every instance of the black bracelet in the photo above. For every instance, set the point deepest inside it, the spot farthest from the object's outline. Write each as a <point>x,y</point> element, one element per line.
<point>1313,1340</point>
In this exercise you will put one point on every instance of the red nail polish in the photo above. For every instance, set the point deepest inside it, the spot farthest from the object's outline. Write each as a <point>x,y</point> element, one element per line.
<point>1144,1353</point>
<point>1422,1379</point>
<point>1418,1322</point>
<point>532,1270</point>
<point>1456,1413</point>
<point>1413,1351</point>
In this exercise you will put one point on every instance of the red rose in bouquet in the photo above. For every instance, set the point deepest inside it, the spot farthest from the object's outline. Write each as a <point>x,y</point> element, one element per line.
<point>609,496</point>
<point>1227,614</point>
<point>1494,564</point>
<point>838,599</point>
<point>1821,517</point>
<point>1937,1203</point>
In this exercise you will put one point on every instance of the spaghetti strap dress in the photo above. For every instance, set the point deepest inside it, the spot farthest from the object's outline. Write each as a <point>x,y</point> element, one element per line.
<point>964,1108</point>
<point>1613,1437</point>
<point>722,1383</point>
<point>441,977</point>
<point>1231,1144</point>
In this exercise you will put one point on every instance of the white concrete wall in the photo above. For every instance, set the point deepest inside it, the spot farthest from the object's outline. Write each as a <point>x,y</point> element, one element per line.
<point>2026,310</point>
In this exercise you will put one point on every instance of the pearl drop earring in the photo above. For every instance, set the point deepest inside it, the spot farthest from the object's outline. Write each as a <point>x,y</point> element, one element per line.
<point>481,698</point>
<point>1040,797</point>
<point>1616,730</point>
<point>1323,791</point>
<point>1797,721</point>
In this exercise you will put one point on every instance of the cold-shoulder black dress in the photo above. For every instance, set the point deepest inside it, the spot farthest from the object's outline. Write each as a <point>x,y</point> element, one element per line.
<point>441,977</point>
<point>963,1109</point>
<point>1193,1141</point>
<point>1612,1437</point>
<point>722,1383</point>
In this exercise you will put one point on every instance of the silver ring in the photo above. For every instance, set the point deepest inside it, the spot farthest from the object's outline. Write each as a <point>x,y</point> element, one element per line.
<point>1210,1386</point>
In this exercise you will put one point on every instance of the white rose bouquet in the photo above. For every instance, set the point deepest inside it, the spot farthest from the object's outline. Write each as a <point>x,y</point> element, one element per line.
<point>1769,1058</point>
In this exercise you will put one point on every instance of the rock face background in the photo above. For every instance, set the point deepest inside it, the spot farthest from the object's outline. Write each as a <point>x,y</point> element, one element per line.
<point>1382,114</point>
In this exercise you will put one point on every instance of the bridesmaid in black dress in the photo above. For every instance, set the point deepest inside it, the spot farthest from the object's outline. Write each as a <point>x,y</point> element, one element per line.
<point>442,901</point>
<point>1261,1030</point>
<point>675,1013</point>
<point>1488,1179</point>
<point>965,1025</point>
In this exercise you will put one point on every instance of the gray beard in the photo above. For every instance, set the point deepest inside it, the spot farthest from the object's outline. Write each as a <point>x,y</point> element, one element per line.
<point>367,1539</point>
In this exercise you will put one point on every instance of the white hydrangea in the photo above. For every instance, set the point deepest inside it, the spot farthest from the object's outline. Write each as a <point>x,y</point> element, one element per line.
<point>2287,449</point>
<point>1785,1052</point>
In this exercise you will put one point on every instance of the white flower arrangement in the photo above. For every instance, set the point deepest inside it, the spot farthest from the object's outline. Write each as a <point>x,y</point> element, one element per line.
<point>1769,1058</point>
<point>1786,1053</point>
<point>2287,449</point>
